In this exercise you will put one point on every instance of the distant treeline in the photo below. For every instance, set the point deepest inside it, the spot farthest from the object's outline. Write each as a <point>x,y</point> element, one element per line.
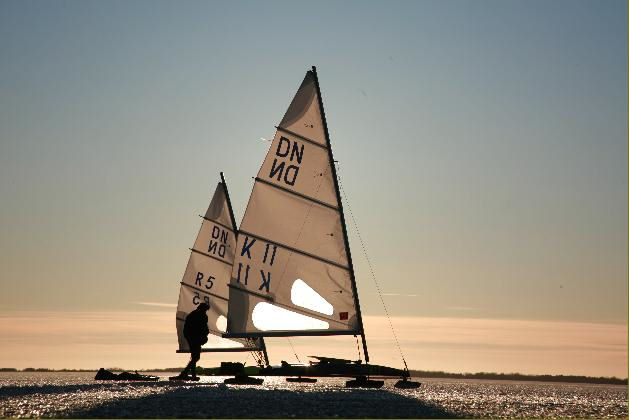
<point>30,369</point>
<point>113,369</point>
<point>520,377</point>
<point>414,373</point>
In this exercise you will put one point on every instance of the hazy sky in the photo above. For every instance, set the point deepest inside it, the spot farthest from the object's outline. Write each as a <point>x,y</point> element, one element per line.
<point>482,146</point>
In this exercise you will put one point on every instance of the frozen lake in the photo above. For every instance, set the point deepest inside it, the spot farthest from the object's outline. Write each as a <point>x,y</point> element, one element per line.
<point>78,395</point>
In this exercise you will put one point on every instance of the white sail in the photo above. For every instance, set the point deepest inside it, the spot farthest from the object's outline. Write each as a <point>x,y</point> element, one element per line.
<point>292,274</point>
<point>207,275</point>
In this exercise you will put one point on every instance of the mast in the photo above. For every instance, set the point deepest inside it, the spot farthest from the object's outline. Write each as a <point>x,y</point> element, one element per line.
<point>340,204</point>
<point>229,203</point>
<point>231,213</point>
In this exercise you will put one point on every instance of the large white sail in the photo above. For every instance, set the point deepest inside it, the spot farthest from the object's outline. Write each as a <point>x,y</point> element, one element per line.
<point>292,272</point>
<point>207,275</point>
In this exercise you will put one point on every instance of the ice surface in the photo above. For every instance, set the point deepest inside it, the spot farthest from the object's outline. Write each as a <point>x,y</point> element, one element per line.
<point>78,395</point>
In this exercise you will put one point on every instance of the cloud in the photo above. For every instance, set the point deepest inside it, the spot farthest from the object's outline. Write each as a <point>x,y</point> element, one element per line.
<point>461,308</point>
<point>163,305</point>
<point>145,339</point>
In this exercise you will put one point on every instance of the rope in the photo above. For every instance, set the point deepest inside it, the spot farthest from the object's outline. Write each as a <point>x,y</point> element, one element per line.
<point>360,357</point>
<point>373,276</point>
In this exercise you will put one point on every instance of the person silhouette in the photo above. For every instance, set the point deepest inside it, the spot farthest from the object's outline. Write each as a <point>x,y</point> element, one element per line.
<point>195,330</point>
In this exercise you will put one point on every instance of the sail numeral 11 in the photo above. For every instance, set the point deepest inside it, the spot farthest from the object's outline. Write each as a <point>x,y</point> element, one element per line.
<point>265,277</point>
<point>246,274</point>
<point>266,281</point>
<point>266,254</point>
<point>269,258</point>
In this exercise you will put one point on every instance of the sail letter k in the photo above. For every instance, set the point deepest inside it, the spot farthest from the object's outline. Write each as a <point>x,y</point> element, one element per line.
<point>266,281</point>
<point>246,247</point>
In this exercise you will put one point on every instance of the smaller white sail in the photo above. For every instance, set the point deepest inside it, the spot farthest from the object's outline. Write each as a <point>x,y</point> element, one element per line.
<point>207,276</point>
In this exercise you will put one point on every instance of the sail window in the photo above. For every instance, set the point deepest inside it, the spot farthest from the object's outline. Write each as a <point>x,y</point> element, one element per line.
<point>221,323</point>
<point>305,296</point>
<point>268,317</point>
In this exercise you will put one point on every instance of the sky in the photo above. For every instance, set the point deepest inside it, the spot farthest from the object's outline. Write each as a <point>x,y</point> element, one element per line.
<point>482,149</point>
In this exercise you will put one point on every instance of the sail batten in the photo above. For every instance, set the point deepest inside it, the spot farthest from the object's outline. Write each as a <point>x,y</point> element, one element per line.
<point>196,251</point>
<point>311,141</point>
<point>231,229</point>
<point>296,333</point>
<point>251,292</point>
<point>313,200</point>
<point>292,234</point>
<point>204,291</point>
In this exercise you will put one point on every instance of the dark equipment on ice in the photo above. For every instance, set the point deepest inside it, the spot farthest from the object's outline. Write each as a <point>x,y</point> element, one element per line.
<point>240,377</point>
<point>105,375</point>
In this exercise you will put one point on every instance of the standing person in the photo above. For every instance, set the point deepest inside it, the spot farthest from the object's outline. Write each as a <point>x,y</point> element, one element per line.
<point>195,330</point>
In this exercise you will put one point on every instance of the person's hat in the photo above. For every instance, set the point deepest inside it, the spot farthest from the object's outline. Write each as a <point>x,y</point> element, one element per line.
<point>204,306</point>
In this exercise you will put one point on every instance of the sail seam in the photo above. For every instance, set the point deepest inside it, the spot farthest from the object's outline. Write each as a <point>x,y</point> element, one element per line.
<point>299,251</point>
<point>314,200</point>
<point>210,256</point>
<point>299,310</point>
<point>299,136</point>
<point>218,223</point>
<point>204,291</point>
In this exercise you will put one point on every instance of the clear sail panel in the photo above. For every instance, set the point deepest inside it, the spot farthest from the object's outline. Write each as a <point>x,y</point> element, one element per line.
<point>294,280</point>
<point>253,314</point>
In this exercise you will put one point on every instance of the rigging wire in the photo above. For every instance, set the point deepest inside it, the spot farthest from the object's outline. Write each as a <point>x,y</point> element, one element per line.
<point>294,352</point>
<point>258,356</point>
<point>358,347</point>
<point>290,254</point>
<point>373,275</point>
